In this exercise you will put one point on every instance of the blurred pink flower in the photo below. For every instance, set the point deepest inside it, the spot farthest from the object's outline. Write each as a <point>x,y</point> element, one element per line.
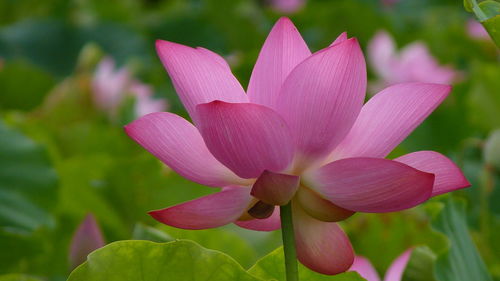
<point>144,101</point>
<point>300,133</point>
<point>476,30</point>
<point>413,63</point>
<point>287,6</point>
<point>395,272</point>
<point>110,87</point>
<point>87,238</point>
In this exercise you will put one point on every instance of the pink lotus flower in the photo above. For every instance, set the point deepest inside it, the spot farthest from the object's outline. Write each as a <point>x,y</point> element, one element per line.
<point>110,88</point>
<point>299,133</point>
<point>87,238</point>
<point>476,30</point>
<point>395,272</point>
<point>414,63</point>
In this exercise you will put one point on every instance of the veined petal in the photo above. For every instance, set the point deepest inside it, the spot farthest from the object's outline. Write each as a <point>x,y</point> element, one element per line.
<point>177,143</point>
<point>198,77</point>
<point>247,138</point>
<point>274,188</point>
<point>321,246</point>
<point>341,38</point>
<point>371,185</point>
<point>283,50</point>
<point>210,211</point>
<point>448,176</point>
<point>214,56</point>
<point>268,224</point>
<point>365,268</point>
<point>388,118</point>
<point>398,266</point>
<point>322,97</point>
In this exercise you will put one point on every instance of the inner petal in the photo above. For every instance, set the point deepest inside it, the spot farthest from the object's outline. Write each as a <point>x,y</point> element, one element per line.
<point>319,208</point>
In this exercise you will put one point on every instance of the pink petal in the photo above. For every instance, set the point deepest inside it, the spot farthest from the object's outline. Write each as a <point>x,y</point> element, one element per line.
<point>321,246</point>
<point>319,208</point>
<point>247,138</point>
<point>389,117</point>
<point>210,211</point>
<point>87,238</point>
<point>215,57</point>
<point>179,145</point>
<point>341,38</point>
<point>283,50</point>
<point>448,176</point>
<point>397,268</point>
<point>381,54</point>
<point>198,77</point>
<point>109,85</point>
<point>275,189</point>
<point>365,268</point>
<point>372,185</point>
<point>269,224</point>
<point>321,98</point>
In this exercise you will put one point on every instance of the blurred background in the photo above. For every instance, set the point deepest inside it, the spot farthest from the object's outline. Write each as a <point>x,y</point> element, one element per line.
<point>73,72</point>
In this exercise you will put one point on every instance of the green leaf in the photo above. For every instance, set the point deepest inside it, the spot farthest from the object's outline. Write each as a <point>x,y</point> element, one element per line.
<point>492,25</point>
<point>27,183</point>
<point>143,261</point>
<point>17,277</point>
<point>272,267</point>
<point>490,8</point>
<point>468,5</point>
<point>462,261</point>
<point>16,93</point>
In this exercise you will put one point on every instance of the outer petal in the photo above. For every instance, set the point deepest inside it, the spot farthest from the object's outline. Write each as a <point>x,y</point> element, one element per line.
<point>372,185</point>
<point>397,268</point>
<point>178,144</point>
<point>321,246</point>
<point>269,224</point>
<point>448,175</point>
<point>215,57</point>
<point>197,76</point>
<point>283,50</point>
<point>389,117</point>
<point>247,138</point>
<point>274,188</point>
<point>365,268</point>
<point>341,38</point>
<point>210,211</point>
<point>322,97</point>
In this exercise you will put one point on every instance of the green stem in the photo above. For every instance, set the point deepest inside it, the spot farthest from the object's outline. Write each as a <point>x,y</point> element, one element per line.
<point>292,273</point>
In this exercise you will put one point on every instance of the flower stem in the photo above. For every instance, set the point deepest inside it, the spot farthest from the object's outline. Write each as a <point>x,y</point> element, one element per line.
<point>288,237</point>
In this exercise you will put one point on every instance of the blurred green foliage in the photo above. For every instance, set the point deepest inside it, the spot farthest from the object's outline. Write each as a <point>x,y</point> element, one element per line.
<point>61,158</point>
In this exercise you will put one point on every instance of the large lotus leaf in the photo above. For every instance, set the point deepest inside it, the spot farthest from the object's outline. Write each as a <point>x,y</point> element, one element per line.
<point>144,261</point>
<point>272,267</point>
<point>28,183</point>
